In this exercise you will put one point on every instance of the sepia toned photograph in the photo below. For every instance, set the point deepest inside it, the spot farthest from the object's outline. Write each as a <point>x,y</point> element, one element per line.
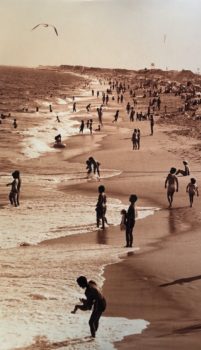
<point>100,168</point>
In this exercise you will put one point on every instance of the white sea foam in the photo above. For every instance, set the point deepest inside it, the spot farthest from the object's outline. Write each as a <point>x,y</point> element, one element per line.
<point>63,215</point>
<point>38,291</point>
<point>38,284</point>
<point>40,139</point>
<point>68,335</point>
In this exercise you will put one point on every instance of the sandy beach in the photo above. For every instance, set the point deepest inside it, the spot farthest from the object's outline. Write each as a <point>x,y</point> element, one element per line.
<point>152,289</point>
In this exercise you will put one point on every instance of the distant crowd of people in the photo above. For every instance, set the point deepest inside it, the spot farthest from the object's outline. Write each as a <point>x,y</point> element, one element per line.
<point>94,300</point>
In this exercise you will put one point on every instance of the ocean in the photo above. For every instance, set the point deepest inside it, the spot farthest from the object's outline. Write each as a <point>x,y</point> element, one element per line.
<point>38,280</point>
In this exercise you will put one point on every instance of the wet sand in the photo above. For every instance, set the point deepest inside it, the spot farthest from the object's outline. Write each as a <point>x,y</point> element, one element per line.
<point>160,281</point>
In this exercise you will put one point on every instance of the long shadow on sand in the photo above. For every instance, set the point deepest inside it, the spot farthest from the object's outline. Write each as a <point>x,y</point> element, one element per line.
<point>181,281</point>
<point>189,329</point>
<point>184,330</point>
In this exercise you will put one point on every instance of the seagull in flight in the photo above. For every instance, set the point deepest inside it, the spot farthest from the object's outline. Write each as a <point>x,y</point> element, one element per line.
<point>46,25</point>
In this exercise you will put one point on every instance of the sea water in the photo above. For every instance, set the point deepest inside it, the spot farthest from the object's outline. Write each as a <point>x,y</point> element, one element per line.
<point>38,292</point>
<point>38,282</point>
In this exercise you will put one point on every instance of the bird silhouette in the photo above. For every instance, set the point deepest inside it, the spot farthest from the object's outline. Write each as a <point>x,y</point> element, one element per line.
<point>46,25</point>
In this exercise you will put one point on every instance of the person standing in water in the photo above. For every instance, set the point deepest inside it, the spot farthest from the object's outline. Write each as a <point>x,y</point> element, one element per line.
<point>172,185</point>
<point>192,189</point>
<point>101,207</point>
<point>94,300</point>
<point>130,220</point>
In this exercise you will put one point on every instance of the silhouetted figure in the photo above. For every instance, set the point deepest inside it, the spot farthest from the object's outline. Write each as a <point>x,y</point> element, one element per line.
<point>101,207</point>
<point>16,175</point>
<point>116,116</point>
<point>88,107</point>
<point>15,123</point>
<point>152,124</point>
<point>100,114</point>
<point>130,220</point>
<point>74,106</point>
<point>13,191</point>
<point>186,170</point>
<point>58,138</point>
<point>98,169</point>
<point>50,108</point>
<point>82,126</point>
<point>91,126</point>
<point>135,139</point>
<point>123,220</point>
<point>94,300</point>
<point>89,166</point>
<point>138,138</point>
<point>128,107</point>
<point>192,189</point>
<point>58,119</point>
<point>132,114</point>
<point>172,185</point>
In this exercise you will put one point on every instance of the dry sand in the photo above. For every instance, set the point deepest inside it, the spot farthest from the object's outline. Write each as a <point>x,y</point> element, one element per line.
<point>161,282</point>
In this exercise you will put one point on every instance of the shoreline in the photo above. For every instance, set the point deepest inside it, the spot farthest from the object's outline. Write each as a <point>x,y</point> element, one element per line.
<point>162,237</point>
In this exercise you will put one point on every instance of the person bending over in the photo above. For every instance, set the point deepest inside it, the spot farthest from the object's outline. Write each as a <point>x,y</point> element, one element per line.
<point>94,300</point>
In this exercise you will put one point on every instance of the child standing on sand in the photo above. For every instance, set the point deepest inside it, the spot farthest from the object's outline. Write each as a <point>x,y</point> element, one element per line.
<point>101,207</point>
<point>191,189</point>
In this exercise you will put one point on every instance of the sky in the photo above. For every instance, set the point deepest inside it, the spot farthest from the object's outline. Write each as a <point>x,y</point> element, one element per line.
<point>128,34</point>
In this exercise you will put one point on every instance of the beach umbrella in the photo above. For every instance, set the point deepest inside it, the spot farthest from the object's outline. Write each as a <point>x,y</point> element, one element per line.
<point>46,25</point>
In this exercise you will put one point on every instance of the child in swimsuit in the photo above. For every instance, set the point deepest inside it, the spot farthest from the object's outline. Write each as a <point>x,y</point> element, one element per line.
<point>192,189</point>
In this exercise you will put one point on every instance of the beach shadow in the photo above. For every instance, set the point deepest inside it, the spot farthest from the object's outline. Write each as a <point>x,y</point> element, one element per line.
<point>101,237</point>
<point>185,330</point>
<point>176,219</point>
<point>181,281</point>
<point>130,253</point>
<point>189,329</point>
